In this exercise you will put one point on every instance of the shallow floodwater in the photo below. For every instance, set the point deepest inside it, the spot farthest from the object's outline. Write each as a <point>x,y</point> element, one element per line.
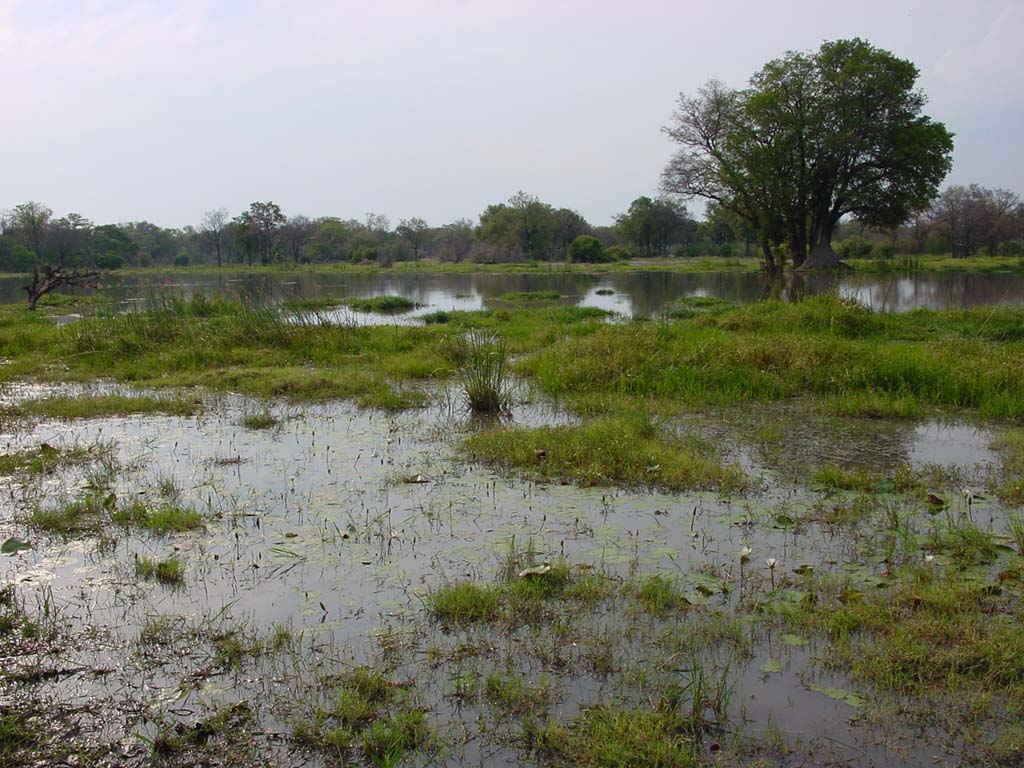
<point>336,522</point>
<point>633,294</point>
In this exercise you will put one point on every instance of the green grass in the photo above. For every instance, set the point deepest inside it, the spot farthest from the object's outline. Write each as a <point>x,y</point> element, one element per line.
<point>382,304</point>
<point>96,406</point>
<point>485,373</point>
<point>45,459</point>
<point>159,520</point>
<point>94,512</point>
<point>463,602</point>
<point>364,712</point>
<point>166,571</point>
<point>1011,448</point>
<point>260,420</point>
<point>616,451</point>
<point>660,595</point>
<point>513,693</point>
<point>948,635</point>
<point>530,296</point>
<point>613,737</point>
<point>822,346</point>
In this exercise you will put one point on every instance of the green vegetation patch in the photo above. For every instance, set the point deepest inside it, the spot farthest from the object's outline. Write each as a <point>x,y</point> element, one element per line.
<point>260,420</point>
<point>1011,446</point>
<point>166,571</point>
<point>613,737</point>
<point>94,512</point>
<point>382,304</point>
<point>627,451</point>
<point>45,459</point>
<point>530,296</point>
<point>463,602</point>
<point>822,346</point>
<point>366,714</point>
<point>96,406</point>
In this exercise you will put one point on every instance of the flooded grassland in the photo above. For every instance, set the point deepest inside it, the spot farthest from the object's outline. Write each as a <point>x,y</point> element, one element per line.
<point>775,534</point>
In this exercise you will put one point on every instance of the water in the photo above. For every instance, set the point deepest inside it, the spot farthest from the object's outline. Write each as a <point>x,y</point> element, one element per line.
<point>315,525</point>
<point>633,294</point>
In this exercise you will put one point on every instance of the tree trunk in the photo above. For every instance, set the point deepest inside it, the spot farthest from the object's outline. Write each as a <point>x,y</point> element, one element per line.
<point>823,257</point>
<point>768,260</point>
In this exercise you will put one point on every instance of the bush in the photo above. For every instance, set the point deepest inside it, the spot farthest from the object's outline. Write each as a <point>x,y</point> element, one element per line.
<point>181,260</point>
<point>19,259</point>
<point>363,253</point>
<point>885,251</point>
<point>109,261</point>
<point>586,249</point>
<point>617,253</point>
<point>853,248</point>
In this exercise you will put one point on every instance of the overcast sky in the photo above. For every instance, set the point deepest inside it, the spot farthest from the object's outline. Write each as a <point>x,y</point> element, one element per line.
<point>433,108</point>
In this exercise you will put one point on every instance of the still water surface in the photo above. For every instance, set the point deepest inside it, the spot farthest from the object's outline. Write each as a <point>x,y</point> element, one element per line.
<point>633,294</point>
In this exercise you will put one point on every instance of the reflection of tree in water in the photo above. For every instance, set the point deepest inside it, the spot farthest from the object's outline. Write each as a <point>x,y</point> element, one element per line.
<point>646,292</point>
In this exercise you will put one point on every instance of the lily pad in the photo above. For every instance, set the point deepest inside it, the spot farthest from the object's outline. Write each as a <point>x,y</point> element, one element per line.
<point>13,546</point>
<point>771,666</point>
<point>794,640</point>
<point>838,694</point>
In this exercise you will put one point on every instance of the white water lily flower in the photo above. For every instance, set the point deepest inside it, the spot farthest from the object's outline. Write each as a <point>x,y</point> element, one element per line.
<point>771,562</point>
<point>745,552</point>
<point>929,558</point>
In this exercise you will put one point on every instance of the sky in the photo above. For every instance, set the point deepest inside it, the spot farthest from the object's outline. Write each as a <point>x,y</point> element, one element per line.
<point>160,111</point>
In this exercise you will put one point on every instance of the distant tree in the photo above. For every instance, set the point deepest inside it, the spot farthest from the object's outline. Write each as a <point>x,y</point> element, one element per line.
<point>523,227</point>
<point>295,234</point>
<point>257,230</point>
<point>816,136</point>
<point>214,232</point>
<point>454,241</point>
<point>653,225</point>
<point>973,217</point>
<point>586,249</point>
<point>70,237</point>
<point>111,247</point>
<point>568,225</point>
<point>29,222</point>
<point>416,232</point>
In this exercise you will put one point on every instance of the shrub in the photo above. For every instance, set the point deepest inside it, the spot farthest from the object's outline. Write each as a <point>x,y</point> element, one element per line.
<point>586,249</point>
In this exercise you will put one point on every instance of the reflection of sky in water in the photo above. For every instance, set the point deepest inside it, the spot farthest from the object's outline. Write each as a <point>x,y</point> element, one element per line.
<point>642,294</point>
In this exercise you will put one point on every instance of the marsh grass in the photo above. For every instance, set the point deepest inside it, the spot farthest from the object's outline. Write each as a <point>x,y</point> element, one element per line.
<point>463,602</point>
<point>625,451</point>
<point>945,635</point>
<point>169,570</point>
<point>46,459</point>
<point>1011,447</point>
<point>364,712</point>
<point>95,406</point>
<point>485,373</point>
<point>823,346</point>
<point>383,304</point>
<point>530,296</point>
<point>161,520</point>
<point>93,513</point>
<point>259,420</point>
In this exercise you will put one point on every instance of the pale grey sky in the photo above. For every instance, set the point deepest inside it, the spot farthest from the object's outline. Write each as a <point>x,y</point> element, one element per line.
<point>125,110</point>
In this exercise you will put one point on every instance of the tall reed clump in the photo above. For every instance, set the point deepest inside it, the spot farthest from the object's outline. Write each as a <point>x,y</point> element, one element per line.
<point>485,373</point>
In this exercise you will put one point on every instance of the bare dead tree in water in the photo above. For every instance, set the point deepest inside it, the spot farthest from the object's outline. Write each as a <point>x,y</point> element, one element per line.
<point>47,278</point>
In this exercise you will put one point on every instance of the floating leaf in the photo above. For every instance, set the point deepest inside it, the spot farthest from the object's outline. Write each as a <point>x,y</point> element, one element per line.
<point>770,666</point>
<point>838,694</point>
<point>782,523</point>
<point>13,546</point>
<point>936,502</point>
<point>804,570</point>
<point>533,571</point>
<point>794,640</point>
<point>849,596</point>
<point>695,598</point>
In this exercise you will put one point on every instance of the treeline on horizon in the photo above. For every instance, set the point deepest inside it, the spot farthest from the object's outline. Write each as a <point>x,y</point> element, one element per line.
<point>963,221</point>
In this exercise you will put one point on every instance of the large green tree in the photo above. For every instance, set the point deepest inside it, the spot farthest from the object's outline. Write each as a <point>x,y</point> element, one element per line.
<point>815,137</point>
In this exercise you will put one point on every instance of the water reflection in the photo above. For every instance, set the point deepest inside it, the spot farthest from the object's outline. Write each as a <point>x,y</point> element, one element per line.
<point>633,294</point>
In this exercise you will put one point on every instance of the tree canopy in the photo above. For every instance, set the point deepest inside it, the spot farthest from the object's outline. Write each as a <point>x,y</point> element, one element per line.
<point>815,137</point>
